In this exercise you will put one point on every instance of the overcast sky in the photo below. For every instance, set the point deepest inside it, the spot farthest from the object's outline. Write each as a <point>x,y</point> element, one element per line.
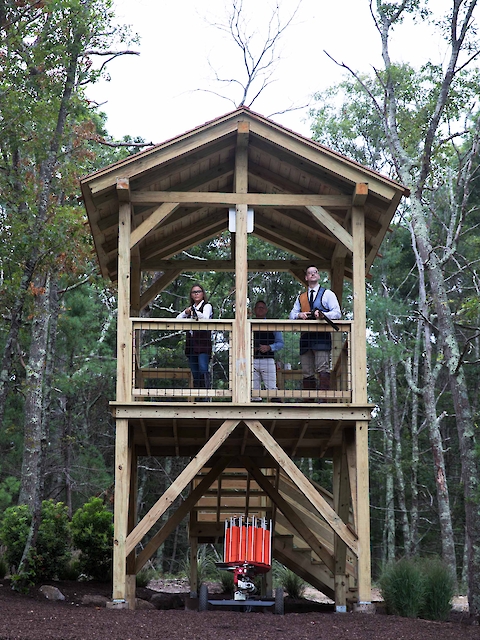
<point>155,95</point>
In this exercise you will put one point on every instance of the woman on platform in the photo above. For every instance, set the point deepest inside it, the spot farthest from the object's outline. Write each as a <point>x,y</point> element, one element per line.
<point>198,348</point>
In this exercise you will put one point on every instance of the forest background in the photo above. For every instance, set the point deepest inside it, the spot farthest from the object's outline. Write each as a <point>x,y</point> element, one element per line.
<point>58,317</point>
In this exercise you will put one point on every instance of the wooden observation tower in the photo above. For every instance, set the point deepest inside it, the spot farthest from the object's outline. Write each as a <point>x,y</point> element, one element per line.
<point>320,207</point>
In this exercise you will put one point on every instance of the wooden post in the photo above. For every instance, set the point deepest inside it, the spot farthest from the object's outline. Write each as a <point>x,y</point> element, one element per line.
<point>341,497</point>
<point>124,329</point>
<point>131,582</point>
<point>242,373</point>
<point>122,486</point>
<point>360,397</point>
<point>124,392</point>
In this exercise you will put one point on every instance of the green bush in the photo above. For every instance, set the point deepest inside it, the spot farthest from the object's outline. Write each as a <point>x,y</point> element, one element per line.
<point>226,580</point>
<point>439,590</point>
<point>144,577</point>
<point>14,533</point>
<point>402,587</point>
<point>92,531</point>
<point>418,588</point>
<point>292,584</point>
<point>52,550</point>
<point>3,568</point>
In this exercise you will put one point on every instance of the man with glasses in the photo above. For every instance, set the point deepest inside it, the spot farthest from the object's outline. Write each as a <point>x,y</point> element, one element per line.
<point>315,347</point>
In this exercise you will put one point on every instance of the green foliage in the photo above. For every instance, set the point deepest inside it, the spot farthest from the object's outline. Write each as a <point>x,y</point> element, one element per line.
<point>291,583</point>
<point>8,491</point>
<point>92,532</point>
<point>14,532</point>
<point>144,577</point>
<point>52,550</point>
<point>403,588</point>
<point>3,567</point>
<point>418,588</point>
<point>70,571</point>
<point>226,580</point>
<point>438,591</point>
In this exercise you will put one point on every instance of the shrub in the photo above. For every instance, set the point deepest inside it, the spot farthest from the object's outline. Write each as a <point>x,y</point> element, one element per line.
<point>92,531</point>
<point>402,587</point>
<point>144,577</point>
<point>226,580</point>
<point>14,532</point>
<point>52,550</point>
<point>3,568</point>
<point>418,588</point>
<point>292,584</point>
<point>439,589</point>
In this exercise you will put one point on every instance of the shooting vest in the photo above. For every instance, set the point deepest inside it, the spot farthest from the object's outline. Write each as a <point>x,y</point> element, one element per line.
<point>199,341</point>
<point>321,341</point>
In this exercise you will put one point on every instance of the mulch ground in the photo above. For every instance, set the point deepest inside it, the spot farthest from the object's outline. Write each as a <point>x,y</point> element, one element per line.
<point>32,617</point>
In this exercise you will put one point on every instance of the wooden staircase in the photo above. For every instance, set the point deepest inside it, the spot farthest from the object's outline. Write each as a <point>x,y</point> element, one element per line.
<point>235,492</point>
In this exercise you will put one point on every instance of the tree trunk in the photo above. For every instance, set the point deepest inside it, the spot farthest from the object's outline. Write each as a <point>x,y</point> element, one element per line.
<point>389,530</point>
<point>397,436</point>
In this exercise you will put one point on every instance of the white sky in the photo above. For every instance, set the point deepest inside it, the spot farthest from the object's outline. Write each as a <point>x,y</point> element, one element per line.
<point>153,95</point>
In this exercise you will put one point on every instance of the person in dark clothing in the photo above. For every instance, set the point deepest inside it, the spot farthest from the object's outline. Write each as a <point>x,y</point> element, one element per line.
<point>198,348</point>
<point>265,344</point>
<point>315,348</point>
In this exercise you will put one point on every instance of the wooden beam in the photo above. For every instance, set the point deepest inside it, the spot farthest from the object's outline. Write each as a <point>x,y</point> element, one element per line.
<point>123,189</point>
<point>303,484</point>
<point>172,493</point>
<point>124,329</point>
<point>229,265</point>
<point>241,356</point>
<point>175,519</point>
<point>122,486</point>
<point>252,199</point>
<point>158,286</point>
<point>363,514</point>
<point>159,215</point>
<point>360,194</point>
<point>332,225</point>
<point>292,516</point>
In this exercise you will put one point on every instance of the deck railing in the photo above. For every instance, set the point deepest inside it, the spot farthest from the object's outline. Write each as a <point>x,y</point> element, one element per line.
<point>161,370</point>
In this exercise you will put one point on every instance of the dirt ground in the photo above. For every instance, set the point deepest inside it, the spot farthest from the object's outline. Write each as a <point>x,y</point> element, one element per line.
<point>83,615</point>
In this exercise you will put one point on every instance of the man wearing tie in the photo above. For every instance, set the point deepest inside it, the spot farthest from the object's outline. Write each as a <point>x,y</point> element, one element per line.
<point>317,302</point>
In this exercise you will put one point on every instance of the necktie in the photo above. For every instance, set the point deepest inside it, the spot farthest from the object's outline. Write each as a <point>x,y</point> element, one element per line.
<point>311,300</point>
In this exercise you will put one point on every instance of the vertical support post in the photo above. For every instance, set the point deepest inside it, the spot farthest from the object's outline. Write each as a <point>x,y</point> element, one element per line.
<point>124,392</point>
<point>242,373</point>
<point>360,397</point>
<point>193,564</point>
<point>122,487</point>
<point>124,328</point>
<point>341,497</point>
<point>131,582</point>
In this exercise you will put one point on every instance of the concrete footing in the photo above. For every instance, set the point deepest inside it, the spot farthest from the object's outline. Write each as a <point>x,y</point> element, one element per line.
<point>364,607</point>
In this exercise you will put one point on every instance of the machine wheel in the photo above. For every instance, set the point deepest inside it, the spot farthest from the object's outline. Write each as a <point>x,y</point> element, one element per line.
<point>203,598</point>
<point>279,602</point>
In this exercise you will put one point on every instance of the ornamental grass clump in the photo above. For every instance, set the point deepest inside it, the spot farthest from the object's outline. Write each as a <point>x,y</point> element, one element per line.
<point>402,587</point>
<point>439,589</point>
<point>292,584</point>
<point>418,588</point>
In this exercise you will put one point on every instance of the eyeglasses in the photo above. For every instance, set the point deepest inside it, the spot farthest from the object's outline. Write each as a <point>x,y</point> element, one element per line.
<point>311,273</point>
<point>197,291</point>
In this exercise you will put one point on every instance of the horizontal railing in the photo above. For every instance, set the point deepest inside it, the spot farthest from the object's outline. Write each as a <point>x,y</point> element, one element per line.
<point>161,369</point>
